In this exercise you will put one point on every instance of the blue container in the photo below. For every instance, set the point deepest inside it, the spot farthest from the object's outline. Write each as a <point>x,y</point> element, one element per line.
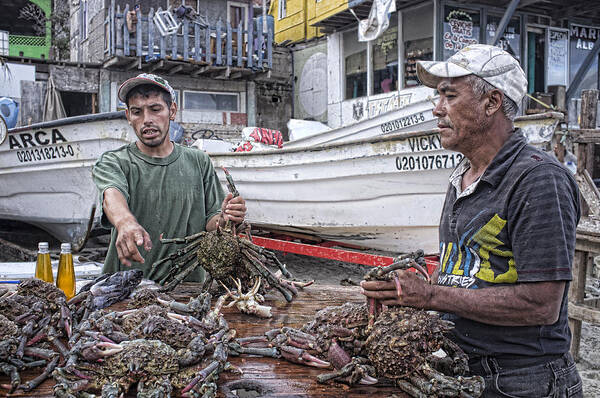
<point>9,110</point>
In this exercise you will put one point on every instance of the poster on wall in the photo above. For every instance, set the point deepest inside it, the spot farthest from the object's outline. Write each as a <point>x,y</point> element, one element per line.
<point>461,28</point>
<point>510,41</point>
<point>582,40</point>
<point>557,56</point>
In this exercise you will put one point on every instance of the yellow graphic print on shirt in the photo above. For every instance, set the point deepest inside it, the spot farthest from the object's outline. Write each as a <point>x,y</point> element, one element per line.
<point>466,261</point>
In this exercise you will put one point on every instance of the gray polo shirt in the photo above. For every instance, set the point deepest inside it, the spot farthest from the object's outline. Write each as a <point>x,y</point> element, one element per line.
<point>516,225</point>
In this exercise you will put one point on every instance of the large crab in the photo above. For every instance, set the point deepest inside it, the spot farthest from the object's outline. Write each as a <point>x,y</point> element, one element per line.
<point>223,253</point>
<point>366,343</point>
<point>156,349</point>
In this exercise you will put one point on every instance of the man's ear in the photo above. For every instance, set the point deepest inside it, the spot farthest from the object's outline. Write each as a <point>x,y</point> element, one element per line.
<point>494,102</point>
<point>173,110</point>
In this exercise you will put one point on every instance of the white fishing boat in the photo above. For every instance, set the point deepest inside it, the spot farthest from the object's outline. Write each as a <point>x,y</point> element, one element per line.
<point>416,116</point>
<point>45,172</point>
<point>383,192</point>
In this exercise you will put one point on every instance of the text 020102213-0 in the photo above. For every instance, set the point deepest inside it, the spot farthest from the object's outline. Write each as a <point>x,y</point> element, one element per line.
<point>428,162</point>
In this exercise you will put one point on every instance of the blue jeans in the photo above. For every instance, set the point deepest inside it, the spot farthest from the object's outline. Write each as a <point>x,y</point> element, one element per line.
<point>556,378</point>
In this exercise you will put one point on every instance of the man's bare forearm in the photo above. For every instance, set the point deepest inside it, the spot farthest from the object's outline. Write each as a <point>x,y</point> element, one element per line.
<point>116,208</point>
<point>534,303</point>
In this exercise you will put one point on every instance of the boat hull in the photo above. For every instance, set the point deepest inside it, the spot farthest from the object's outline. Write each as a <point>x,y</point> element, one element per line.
<point>383,193</point>
<point>45,172</point>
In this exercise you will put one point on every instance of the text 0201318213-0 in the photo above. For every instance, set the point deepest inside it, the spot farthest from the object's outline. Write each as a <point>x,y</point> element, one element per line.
<point>45,153</point>
<point>428,162</point>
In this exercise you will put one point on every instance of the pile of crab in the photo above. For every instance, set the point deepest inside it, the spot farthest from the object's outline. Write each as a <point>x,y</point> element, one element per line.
<point>157,345</point>
<point>33,320</point>
<point>368,344</point>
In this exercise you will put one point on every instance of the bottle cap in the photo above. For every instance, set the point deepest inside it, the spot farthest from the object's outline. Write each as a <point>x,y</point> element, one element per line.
<point>65,247</point>
<point>43,246</point>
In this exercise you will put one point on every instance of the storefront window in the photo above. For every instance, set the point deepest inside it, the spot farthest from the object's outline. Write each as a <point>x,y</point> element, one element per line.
<point>355,60</point>
<point>417,32</point>
<point>511,40</point>
<point>461,28</point>
<point>581,43</point>
<point>385,59</point>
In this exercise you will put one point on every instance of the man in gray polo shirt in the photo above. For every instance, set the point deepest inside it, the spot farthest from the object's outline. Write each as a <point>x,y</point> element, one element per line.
<point>507,234</point>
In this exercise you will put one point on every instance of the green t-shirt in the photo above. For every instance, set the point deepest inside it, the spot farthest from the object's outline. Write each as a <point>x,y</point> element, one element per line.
<point>174,196</point>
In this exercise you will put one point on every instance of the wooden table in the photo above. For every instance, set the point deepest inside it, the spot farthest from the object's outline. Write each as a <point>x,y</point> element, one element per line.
<point>280,378</point>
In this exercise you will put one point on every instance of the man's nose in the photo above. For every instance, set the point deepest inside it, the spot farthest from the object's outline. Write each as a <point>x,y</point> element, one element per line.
<point>148,117</point>
<point>439,109</point>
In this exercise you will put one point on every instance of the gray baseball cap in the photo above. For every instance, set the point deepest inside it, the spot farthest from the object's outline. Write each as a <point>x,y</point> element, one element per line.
<point>490,63</point>
<point>144,78</point>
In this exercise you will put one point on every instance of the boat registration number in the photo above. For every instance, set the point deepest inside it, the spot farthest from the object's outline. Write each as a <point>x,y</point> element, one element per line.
<point>45,153</point>
<point>428,162</point>
<point>402,122</point>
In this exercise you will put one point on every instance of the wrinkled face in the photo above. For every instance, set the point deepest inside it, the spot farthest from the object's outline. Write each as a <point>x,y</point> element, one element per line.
<point>461,115</point>
<point>150,116</point>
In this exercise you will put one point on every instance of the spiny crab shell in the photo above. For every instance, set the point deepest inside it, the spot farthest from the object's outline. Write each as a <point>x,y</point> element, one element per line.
<point>402,339</point>
<point>220,255</point>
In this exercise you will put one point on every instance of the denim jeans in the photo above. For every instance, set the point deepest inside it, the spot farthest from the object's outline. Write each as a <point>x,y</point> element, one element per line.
<point>555,378</point>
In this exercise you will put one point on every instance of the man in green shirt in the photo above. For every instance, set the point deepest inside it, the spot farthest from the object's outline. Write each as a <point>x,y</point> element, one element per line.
<point>154,186</point>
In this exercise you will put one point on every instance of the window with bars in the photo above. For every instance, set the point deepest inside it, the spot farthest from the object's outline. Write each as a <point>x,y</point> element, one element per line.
<point>210,101</point>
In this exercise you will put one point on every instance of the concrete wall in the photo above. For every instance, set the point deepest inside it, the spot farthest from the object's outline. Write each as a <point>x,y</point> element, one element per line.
<point>274,93</point>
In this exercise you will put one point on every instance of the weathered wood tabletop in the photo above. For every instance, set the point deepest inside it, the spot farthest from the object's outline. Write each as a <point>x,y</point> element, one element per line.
<point>278,378</point>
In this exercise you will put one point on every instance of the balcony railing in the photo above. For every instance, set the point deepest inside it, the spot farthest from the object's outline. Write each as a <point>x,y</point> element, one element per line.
<point>218,45</point>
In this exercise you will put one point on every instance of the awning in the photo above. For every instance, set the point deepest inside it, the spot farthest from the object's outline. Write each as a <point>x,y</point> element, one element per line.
<point>344,18</point>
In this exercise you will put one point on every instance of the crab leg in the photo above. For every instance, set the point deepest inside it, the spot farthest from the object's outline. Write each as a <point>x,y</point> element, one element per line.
<point>268,275</point>
<point>181,276</point>
<point>33,383</point>
<point>237,349</point>
<point>203,374</point>
<point>298,355</point>
<point>15,378</point>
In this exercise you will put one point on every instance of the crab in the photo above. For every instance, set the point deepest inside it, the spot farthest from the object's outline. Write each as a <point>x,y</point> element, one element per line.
<point>155,366</point>
<point>366,343</point>
<point>223,253</point>
<point>151,347</point>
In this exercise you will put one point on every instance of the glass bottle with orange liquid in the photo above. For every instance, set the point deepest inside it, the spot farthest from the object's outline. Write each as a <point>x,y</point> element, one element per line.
<point>65,278</point>
<point>43,266</point>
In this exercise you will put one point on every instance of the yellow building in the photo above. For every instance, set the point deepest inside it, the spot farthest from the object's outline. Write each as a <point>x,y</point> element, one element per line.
<point>294,18</point>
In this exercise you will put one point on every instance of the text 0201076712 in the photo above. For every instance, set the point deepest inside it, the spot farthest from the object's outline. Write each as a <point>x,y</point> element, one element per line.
<point>428,162</point>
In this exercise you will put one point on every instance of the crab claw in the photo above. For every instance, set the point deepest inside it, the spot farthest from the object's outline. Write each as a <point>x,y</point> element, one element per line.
<point>398,287</point>
<point>297,355</point>
<point>101,350</point>
<point>368,380</point>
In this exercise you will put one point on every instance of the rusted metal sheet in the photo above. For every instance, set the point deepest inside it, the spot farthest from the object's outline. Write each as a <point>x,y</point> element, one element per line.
<point>279,377</point>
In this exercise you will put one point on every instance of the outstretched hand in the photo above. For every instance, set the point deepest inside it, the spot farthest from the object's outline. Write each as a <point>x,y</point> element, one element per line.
<point>233,209</point>
<point>130,235</point>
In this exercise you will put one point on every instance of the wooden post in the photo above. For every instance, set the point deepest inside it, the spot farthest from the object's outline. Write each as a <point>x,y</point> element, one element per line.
<point>138,33</point>
<point>589,106</point>
<point>240,44</point>
<point>219,50</point>
<point>151,34</point>
<point>125,31</point>
<point>208,51</point>
<point>196,42</point>
<point>186,27</point>
<point>576,294</point>
<point>250,46</point>
<point>228,44</point>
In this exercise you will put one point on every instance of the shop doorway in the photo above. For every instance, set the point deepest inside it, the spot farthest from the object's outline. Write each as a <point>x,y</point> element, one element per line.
<point>76,103</point>
<point>536,50</point>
